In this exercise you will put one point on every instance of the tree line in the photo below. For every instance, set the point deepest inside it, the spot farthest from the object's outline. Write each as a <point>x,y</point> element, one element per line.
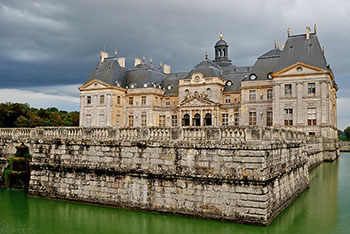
<point>22,115</point>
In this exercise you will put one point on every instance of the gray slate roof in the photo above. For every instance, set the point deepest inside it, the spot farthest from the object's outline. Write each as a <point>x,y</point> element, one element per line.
<point>298,49</point>
<point>207,68</point>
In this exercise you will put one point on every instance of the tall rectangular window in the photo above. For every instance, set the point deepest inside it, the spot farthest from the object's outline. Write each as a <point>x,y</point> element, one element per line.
<point>102,99</point>
<point>236,119</point>
<point>252,118</point>
<point>117,120</point>
<point>288,117</point>
<point>252,95</point>
<point>225,119</point>
<point>227,99</point>
<point>102,120</point>
<point>143,100</point>
<point>269,94</point>
<point>167,101</point>
<point>131,121</point>
<point>118,100</point>
<point>88,100</point>
<point>269,118</point>
<point>161,120</point>
<point>311,88</point>
<point>174,120</point>
<point>143,120</point>
<point>288,89</point>
<point>131,101</point>
<point>311,116</point>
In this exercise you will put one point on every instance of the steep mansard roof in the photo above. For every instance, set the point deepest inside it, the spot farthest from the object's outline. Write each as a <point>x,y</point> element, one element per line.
<point>296,49</point>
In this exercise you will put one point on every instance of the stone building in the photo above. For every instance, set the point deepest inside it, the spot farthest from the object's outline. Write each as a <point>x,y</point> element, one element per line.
<point>291,88</point>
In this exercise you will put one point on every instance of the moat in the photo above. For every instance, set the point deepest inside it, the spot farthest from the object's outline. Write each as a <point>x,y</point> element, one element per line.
<point>324,208</point>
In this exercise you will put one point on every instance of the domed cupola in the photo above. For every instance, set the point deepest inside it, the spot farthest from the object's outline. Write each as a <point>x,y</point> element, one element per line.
<point>221,53</point>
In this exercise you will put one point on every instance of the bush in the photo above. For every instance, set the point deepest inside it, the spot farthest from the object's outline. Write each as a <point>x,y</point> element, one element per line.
<point>347,133</point>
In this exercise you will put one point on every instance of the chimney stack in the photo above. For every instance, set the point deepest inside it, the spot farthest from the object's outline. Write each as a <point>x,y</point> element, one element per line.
<point>308,33</point>
<point>121,62</point>
<point>150,60</point>
<point>103,56</point>
<point>166,68</point>
<point>137,62</point>
<point>283,46</point>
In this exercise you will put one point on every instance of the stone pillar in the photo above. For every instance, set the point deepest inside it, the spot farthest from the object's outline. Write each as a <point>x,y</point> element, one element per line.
<point>109,114</point>
<point>81,115</point>
<point>191,118</point>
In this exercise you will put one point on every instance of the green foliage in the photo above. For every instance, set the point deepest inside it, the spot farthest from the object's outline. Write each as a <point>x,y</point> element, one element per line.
<point>342,138</point>
<point>347,133</point>
<point>22,115</point>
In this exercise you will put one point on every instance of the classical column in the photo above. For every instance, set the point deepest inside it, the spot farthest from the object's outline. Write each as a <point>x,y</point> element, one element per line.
<point>191,117</point>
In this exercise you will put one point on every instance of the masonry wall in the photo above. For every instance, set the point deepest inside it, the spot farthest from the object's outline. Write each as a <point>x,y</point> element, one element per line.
<point>239,174</point>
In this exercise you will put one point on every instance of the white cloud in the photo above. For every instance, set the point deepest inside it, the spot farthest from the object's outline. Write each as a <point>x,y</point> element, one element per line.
<point>41,99</point>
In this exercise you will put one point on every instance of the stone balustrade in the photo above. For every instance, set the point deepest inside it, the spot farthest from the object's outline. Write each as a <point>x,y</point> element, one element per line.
<point>225,134</point>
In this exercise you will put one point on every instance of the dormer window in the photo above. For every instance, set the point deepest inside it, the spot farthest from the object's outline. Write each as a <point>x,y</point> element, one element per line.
<point>252,77</point>
<point>299,69</point>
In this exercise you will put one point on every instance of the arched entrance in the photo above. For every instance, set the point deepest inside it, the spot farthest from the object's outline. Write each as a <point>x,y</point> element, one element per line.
<point>197,120</point>
<point>208,120</point>
<point>186,120</point>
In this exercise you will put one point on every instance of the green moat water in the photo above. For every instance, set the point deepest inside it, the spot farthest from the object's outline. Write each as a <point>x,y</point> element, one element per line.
<point>324,208</point>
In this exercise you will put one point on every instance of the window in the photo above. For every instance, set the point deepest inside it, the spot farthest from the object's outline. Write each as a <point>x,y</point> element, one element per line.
<point>227,99</point>
<point>252,118</point>
<point>102,120</point>
<point>143,100</point>
<point>131,121</point>
<point>311,116</point>
<point>236,119</point>
<point>161,120</point>
<point>88,101</point>
<point>269,118</point>
<point>288,89</point>
<point>167,102</point>
<point>117,120</point>
<point>174,120</point>
<point>311,88</point>
<point>186,120</point>
<point>252,95</point>
<point>225,119</point>
<point>131,101</point>
<point>288,117</point>
<point>269,94</point>
<point>118,100</point>
<point>143,120</point>
<point>312,134</point>
<point>102,99</point>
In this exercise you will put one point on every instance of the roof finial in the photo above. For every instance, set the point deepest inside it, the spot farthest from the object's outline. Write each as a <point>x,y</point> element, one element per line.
<point>322,49</point>
<point>143,58</point>
<point>161,63</point>
<point>315,27</point>
<point>278,45</point>
<point>150,60</point>
<point>206,54</point>
<point>115,52</point>
<point>288,31</point>
<point>275,44</point>
<point>221,35</point>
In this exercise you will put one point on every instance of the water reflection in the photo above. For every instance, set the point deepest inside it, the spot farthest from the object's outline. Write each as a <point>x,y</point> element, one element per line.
<point>315,211</point>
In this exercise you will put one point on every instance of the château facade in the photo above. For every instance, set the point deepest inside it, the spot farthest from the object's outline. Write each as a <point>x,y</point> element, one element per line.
<point>291,88</point>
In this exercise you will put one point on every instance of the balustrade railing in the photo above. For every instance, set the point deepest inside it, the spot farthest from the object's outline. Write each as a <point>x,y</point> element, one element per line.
<point>224,134</point>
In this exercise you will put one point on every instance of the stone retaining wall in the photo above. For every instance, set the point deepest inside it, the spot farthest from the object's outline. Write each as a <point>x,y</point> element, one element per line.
<point>238,174</point>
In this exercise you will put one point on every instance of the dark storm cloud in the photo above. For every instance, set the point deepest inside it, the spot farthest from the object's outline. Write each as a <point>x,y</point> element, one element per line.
<point>57,42</point>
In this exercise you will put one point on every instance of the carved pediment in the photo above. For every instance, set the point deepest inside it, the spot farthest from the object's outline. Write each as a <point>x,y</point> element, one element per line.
<point>94,84</point>
<point>197,100</point>
<point>298,69</point>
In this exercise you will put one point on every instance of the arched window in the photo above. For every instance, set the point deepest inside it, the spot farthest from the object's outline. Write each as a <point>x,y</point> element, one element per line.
<point>197,120</point>
<point>186,120</point>
<point>208,120</point>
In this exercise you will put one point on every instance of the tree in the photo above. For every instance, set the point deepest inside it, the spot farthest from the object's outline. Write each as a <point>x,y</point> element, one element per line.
<point>22,122</point>
<point>347,132</point>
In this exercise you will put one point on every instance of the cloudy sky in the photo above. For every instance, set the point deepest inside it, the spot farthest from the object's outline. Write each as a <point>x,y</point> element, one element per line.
<point>49,47</point>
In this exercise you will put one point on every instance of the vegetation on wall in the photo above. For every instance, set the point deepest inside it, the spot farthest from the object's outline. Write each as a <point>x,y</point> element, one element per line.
<point>22,115</point>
